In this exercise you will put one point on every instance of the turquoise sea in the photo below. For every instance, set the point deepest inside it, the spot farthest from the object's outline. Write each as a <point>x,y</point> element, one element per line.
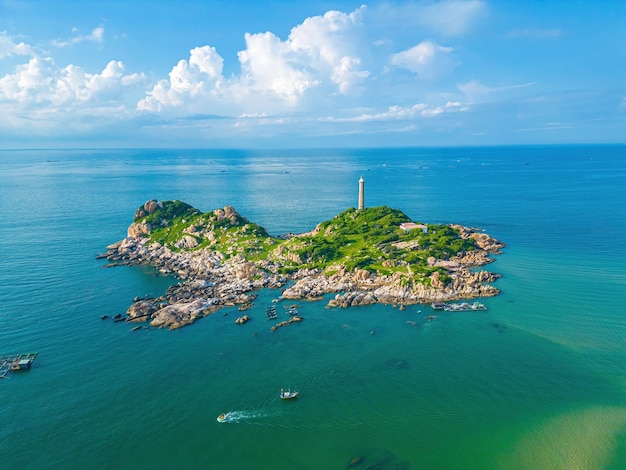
<point>538,381</point>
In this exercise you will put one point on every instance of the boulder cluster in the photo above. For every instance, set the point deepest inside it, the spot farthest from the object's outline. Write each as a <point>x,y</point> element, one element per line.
<point>242,320</point>
<point>208,282</point>
<point>292,320</point>
<point>483,241</point>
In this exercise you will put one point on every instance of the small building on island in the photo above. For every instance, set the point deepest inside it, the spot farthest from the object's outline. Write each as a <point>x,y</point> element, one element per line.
<point>408,226</point>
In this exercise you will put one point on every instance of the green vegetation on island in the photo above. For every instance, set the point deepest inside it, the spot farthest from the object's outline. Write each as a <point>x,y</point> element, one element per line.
<point>370,239</point>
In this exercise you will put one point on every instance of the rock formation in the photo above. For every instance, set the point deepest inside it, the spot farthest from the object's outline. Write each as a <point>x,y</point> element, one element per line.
<point>211,279</point>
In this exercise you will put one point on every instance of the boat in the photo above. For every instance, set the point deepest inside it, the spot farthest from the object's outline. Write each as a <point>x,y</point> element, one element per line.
<point>223,417</point>
<point>287,395</point>
<point>270,312</point>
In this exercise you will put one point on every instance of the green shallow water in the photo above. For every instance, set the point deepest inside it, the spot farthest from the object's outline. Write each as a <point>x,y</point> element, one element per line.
<point>371,385</point>
<point>536,381</point>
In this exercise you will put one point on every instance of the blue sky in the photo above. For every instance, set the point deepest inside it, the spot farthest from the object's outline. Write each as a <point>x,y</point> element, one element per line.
<point>204,73</point>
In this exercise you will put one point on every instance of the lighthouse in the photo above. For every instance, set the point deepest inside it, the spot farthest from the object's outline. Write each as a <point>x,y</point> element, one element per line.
<point>361,194</point>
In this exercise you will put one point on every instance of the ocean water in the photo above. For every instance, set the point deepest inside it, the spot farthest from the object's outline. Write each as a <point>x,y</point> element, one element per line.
<point>538,381</point>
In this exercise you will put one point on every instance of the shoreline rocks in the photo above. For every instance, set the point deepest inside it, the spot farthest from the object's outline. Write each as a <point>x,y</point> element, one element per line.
<point>210,281</point>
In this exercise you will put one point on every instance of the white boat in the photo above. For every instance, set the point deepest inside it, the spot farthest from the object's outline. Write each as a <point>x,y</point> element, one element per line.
<point>223,417</point>
<point>287,395</point>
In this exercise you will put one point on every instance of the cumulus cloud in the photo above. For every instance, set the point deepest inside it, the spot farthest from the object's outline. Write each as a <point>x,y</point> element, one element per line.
<point>43,97</point>
<point>42,81</point>
<point>331,44</point>
<point>269,66</point>
<point>320,54</point>
<point>96,35</point>
<point>201,74</point>
<point>427,59</point>
<point>10,48</point>
<point>327,62</point>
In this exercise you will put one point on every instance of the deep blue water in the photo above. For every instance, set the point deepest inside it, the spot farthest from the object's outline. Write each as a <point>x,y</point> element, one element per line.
<point>537,381</point>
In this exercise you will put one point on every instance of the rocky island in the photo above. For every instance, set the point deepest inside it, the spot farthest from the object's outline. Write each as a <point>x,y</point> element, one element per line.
<point>363,256</point>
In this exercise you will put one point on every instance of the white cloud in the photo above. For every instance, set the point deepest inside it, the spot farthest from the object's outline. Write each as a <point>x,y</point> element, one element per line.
<point>10,48</point>
<point>456,106</point>
<point>322,54</point>
<point>326,62</point>
<point>427,59</point>
<point>41,81</point>
<point>96,35</point>
<point>405,113</point>
<point>331,44</point>
<point>347,73</point>
<point>207,60</point>
<point>453,17</point>
<point>476,91</point>
<point>201,74</point>
<point>270,65</point>
<point>45,98</point>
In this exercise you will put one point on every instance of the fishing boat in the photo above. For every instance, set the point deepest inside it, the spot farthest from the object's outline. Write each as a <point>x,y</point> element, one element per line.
<point>287,395</point>
<point>270,312</point>
<point>223,417</point>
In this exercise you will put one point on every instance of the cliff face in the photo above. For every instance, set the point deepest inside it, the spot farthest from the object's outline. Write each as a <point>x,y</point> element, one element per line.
<point>362,256</point>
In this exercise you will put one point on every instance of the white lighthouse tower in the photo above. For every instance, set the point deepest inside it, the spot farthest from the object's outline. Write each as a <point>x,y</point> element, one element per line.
<point>361,194</point>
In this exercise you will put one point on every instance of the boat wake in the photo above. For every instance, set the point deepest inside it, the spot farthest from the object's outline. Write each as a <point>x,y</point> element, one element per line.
<point>241,416</point>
